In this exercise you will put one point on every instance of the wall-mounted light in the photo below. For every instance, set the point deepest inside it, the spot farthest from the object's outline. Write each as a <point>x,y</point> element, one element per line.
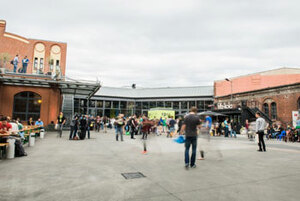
<point>39,101</point>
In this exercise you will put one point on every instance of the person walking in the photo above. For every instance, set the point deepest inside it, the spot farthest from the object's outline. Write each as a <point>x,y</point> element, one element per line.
<point>105,122</point>
<point>171,125</point>
<point>190,125</point>
<point>83,126</point>
<point>260,127</point>
<point>61,120</point>
<point>205,131</point>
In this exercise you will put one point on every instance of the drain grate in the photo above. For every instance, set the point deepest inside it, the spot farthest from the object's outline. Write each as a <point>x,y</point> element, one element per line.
<point>133,175</point>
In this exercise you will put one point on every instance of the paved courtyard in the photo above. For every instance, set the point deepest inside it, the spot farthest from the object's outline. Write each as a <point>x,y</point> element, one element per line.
<point>59,169</point>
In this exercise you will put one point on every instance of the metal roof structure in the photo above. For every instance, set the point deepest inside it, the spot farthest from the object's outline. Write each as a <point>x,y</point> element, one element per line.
<point>87,89</point>
<point>166,92</point>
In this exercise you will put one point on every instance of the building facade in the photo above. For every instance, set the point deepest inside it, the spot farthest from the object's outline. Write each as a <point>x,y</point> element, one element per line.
<point>275,93</point>
<point>45,57</point>
<point>110,101</point>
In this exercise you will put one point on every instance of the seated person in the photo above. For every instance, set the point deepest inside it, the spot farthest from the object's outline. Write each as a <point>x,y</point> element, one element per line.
<point>21,129</point>
<point>30,122</point>
<point>5,128</point>
<point>14,127</point>
<point>40,123</point>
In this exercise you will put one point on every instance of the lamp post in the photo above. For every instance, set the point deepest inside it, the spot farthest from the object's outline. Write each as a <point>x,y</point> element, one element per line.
<point>228,80</point>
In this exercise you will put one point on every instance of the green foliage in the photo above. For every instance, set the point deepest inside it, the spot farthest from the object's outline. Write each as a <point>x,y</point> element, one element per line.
<point>4,59</point>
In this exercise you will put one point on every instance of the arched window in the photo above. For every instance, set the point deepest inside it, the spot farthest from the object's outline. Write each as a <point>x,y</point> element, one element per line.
<point>266,109</point>
<point>273,110</point>
<point>27,104</point>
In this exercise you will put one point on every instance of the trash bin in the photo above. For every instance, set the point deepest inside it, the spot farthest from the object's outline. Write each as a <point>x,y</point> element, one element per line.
<point>11,148</point>
<point>31,139</point>
<point>42,134</point>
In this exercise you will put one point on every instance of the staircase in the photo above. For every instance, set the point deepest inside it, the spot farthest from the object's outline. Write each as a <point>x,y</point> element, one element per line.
<point>255,109</point>
<point>67,108</point>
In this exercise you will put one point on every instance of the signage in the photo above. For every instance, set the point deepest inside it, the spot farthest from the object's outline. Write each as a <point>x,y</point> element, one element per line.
<point>295,115</point>
<point>157,114</point>
<point>222,106</point>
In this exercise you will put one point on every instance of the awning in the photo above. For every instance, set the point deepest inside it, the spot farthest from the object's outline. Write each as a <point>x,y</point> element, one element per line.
<point>87,89</point>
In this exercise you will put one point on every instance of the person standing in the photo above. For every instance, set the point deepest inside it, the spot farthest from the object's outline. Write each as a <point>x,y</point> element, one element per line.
<point>260,127</point>
<point>61,120</point>
<point>83,127</point>
<point>105,122</point>
<point>226,127</point>
<point>15,63</point>
<point>133,126</point>
<point>98,123</point>
<point>74,127</point>
<point>119,123</point>
<point>171,124</point>
<point>25,62</point>
<point>190,125</point>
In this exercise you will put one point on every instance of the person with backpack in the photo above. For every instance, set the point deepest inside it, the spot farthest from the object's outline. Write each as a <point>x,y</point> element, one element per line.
<point>119,123</point>
<point>15,63</point>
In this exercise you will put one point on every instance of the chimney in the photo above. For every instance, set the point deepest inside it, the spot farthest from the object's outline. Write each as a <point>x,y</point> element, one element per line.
<point>2,26</point>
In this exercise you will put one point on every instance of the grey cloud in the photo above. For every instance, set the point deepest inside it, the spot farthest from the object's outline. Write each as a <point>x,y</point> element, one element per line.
<point>170,42</point>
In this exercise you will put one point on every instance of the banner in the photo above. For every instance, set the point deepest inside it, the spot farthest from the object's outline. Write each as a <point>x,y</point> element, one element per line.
<point>157,114</point>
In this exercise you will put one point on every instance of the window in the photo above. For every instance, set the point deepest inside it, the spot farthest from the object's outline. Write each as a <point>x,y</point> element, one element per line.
<point>192,104</point>
<point>107,104</point>
<point>175,105</point>
<point>41,64</point>
<point>200,105</point>
<point>152,104</point>
<point>92,103</point>
<point>35,65</point>
<point>266,109</point>
<point>273,110</point>
<point>57,63</point>
<point>99,103</point>
<point>116,104</point>
<point>145,105</point>
<point>27,104</point>
<point>138,105</point>
<point>51,64</point>
<point>208,104</point>
<point>168,104</point>
<point>184,105</point>
<point>123,104</point>
<point>160,104</point>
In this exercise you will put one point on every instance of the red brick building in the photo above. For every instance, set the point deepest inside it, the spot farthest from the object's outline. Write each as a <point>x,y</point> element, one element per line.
<point>44,56</point>
<point>42,91</point>
<point>276,93</point>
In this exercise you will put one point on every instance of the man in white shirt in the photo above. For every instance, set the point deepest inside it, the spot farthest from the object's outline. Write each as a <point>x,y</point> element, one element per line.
<point>260,127</point>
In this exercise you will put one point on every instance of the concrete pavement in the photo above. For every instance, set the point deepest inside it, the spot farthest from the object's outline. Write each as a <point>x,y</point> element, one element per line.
<point>59,169</point>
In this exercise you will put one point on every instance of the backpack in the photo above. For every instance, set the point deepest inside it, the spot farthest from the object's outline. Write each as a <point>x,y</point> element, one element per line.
<point>12,62</point>
<point>19,149</point>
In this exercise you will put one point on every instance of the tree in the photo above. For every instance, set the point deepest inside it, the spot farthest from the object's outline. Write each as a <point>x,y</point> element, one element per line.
<point>4,59</point>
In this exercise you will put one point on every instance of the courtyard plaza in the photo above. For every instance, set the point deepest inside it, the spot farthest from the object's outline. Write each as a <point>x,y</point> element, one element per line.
<point>61,170</point>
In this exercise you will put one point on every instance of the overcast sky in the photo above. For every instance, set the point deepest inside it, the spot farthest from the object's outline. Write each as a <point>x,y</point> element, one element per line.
<point>156,43</point>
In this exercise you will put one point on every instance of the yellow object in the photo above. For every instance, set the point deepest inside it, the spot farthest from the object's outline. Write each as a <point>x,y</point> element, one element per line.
<point>157,114</point>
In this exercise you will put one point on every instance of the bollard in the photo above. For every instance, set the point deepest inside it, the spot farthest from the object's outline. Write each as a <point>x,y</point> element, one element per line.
<point>42,134</point>
<point>31,139</point>
<point>11,148</point>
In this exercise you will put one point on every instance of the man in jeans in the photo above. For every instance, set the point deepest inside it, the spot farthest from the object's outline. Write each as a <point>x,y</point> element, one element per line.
<point>190,125</point>
<point>15,62</point>
<point>260,127</point>
<point>61,120</point>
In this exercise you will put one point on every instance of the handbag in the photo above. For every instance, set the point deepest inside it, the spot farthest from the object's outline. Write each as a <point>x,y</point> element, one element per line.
<point>180,139</point>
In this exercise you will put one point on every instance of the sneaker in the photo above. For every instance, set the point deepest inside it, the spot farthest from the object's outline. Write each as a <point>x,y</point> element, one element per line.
<point>259,150</point>
<point>186,166</point>
<point>194,166</point>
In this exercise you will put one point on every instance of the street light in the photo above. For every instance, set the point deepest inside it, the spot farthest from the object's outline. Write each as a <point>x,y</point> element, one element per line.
<point>228,80</point>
